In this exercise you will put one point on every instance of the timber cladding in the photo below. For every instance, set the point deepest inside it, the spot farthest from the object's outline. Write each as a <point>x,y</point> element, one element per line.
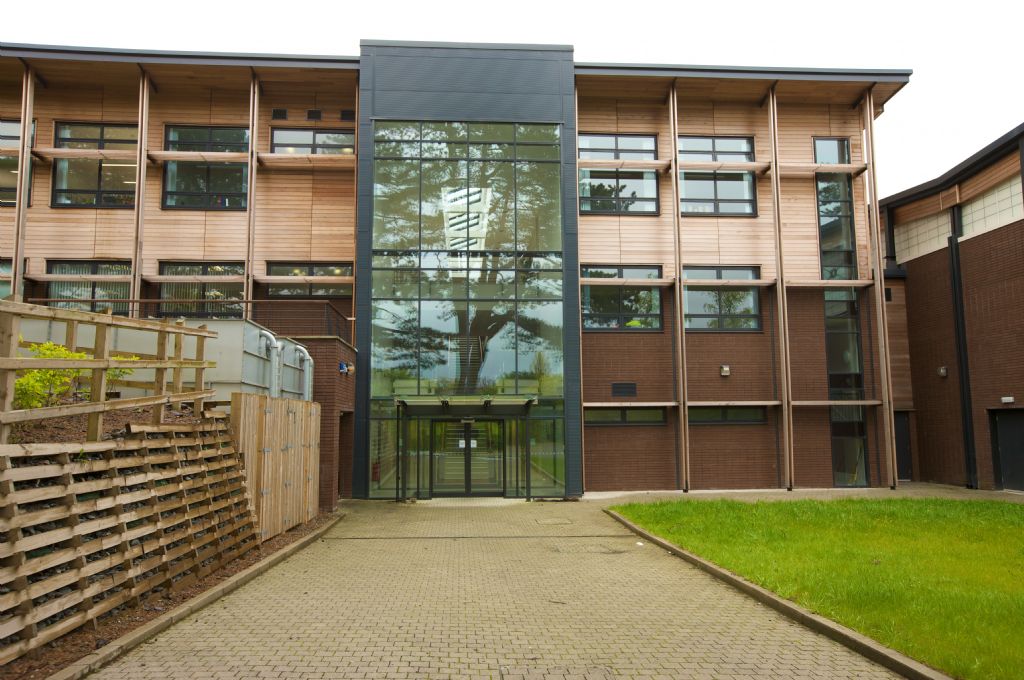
<point>96,525</point>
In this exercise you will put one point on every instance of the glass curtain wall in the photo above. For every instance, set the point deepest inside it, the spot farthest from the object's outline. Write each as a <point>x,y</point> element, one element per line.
<point>845,364</point>
<point>467,289</point>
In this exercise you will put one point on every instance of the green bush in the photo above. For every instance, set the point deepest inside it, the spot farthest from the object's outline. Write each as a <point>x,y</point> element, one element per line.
<point>47,386</point>
<point>50,386</point>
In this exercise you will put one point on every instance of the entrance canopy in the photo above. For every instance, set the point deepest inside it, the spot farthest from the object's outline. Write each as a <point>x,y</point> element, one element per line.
<point>465,405</point>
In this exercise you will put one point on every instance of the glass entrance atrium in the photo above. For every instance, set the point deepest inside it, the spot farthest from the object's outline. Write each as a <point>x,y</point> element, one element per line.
<point>466,356</point>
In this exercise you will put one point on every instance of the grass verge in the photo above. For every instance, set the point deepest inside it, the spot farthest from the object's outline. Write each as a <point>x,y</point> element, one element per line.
<point>940,580</point>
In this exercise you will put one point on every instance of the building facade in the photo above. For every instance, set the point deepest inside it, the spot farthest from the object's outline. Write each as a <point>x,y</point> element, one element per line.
<point>559,277</point>
<point>956,276</point>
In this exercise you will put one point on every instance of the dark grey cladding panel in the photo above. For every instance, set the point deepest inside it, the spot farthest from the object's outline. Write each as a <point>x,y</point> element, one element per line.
<point>440,83</point>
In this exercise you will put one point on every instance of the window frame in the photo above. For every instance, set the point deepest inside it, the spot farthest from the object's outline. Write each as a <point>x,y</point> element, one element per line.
<point>94,266</point>
<point>699,285</point>
<point>200,301</point>
<point>313,146</point>
<point>100,144</point>
<point>831,138</point>
<point>243,194</point>
<point>13,201</point>
<point>623,420</point>
<point>724,417</point>
<point>620,315</point>
<point>309,266</point>
<point>627,154</point>
<point>749,156</point>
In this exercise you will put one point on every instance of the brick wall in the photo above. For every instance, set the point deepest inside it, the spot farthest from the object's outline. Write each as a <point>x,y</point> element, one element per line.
<point>734,456</point>
<point>336,394</point>
<point>992,265</point>
<point>933,344</point>
<point>629,458</point>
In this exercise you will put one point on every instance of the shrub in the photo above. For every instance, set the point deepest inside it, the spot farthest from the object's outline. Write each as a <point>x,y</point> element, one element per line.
<point>49,386</point>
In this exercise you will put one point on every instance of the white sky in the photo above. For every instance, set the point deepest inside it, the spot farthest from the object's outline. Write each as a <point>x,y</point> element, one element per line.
<point>966,90</point>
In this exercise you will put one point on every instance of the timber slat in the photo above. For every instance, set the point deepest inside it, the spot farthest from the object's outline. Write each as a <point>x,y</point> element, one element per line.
<point>24,415</point>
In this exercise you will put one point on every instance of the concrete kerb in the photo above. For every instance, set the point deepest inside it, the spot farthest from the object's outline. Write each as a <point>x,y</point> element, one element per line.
<point>861,644</point>
<point>129,641</point>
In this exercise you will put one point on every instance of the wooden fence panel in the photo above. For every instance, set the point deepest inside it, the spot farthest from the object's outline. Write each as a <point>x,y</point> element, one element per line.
<point>280,441</point>
<point>91,526</point>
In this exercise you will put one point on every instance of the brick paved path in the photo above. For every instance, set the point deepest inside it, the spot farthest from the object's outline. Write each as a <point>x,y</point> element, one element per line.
<point>504,589</point>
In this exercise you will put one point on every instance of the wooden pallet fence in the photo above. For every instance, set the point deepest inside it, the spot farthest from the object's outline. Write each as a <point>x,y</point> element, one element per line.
<point>162,361</point>
<point>95,525</point>
<point>280,440</point>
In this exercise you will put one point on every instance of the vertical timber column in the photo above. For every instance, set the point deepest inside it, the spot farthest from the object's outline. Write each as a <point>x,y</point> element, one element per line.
<point>28,93</point>
<point>781,301</point>
<point>141,158</point>
<point>878,277</point>
<point>677,278</point>
<point>250,201</point>
<point>579,307</point>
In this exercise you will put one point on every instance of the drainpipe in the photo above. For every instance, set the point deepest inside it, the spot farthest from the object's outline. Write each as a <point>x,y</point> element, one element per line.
<point>307,372</point>
<point>275,361</point>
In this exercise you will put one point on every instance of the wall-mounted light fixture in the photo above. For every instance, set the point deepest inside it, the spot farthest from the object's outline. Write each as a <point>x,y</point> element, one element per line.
<point>346,368</point>
<point>1007,400</point>
<point>943,372</point>
<point>724,371</point>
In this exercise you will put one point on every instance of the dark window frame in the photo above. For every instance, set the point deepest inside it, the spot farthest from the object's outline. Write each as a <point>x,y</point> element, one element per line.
<point>313,146</point>
<point>623,420</point>
<point>241,147</point>
<point>309,266</point>
<point>700,285</point>
<point>831,138</point>
<point>98,204</point>
<point>200,301</point>
<point>724,415</point>
<point>619,153</point>
<point>621,316</point>
<point>95,305</point>
<point>716,156</point>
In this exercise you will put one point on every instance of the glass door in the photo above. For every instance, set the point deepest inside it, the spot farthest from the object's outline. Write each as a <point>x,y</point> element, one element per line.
<point>467,458</point>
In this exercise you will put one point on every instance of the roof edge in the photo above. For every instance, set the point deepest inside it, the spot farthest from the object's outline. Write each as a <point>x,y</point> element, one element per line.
<point>757,72</point>
<point>465,45</point>
<point>986,156</point>
<point>71,52</point>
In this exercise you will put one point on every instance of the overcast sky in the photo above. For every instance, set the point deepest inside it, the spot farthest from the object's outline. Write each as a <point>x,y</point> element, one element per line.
<point>966,89</point>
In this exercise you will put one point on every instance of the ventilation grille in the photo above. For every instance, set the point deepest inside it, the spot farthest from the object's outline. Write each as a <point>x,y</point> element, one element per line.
<point>279,114</point>
<point>348,114</point>
<point>624,389</point>
<point>314,114</point>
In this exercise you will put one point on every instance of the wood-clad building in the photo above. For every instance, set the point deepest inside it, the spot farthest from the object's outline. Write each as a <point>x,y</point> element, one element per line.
<point>955,279</point>
<point>559,276</point>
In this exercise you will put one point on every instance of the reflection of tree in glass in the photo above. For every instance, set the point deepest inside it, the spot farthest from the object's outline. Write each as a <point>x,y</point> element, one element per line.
<point>396,204</point>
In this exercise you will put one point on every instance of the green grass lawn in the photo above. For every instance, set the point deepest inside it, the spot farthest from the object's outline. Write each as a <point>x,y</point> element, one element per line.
<point>940,580</point>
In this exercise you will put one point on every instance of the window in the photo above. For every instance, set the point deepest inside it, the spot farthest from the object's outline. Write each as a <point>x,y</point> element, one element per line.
<point>87,182</point>
<point>831,150</point>
<point>202,185</point>
<point>835,212</point>
<point>10,133</point>
<point>310,141</point>
<point>5,277</point>
<point>621,307</point>
<point>725,415</point>
<point>300,289</point>
<point>90,292</point>
<point>618,191</point>
<point>723,308</point>
<point>717,192</point>
<point>624,416</point>
<point>216,294</point>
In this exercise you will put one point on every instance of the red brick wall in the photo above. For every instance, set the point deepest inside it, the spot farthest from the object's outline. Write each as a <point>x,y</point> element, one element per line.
<point>336,394</point>
<point>630,458</point>
<point>748,355</point>
<point>734,456</point>
<point>643,357</point>
<point>933,344</point>
<point>992,266</point>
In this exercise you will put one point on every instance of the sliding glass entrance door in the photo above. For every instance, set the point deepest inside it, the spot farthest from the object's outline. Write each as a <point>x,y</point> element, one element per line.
<point>467,458</point>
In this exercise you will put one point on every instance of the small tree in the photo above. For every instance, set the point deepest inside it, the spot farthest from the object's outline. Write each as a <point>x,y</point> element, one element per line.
<point>47,386</point>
